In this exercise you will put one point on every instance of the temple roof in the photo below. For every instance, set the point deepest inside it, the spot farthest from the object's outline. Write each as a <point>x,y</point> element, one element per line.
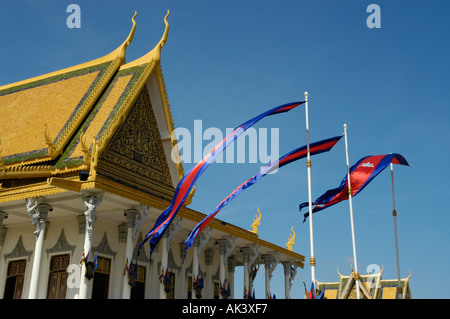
<point>52,107</point>
<point>67,117</point>
<point>372,286</point>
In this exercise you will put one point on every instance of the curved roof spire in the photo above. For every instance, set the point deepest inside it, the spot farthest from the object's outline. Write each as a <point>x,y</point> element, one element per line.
<point>155,53</point>
<point>166,31</point>
<point>123,47</point>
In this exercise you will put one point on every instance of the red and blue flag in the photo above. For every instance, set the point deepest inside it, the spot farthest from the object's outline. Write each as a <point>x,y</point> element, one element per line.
<point>301,152</point>
<point>361,174</point>
<point>189,179</point>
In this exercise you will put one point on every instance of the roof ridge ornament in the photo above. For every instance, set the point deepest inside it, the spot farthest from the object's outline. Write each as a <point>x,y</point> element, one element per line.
<point>153,56</point>
<point>291,241</point>
<point>166,31</point>
<point>51,146</point>
<point>123,47</point>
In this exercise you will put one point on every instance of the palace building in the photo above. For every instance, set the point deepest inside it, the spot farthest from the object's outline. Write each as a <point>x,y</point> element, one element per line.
<point>85,171</point>
<point>371,286</point>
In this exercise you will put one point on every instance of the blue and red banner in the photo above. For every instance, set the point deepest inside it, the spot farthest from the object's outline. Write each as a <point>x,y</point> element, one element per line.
<point>301,152</point>
<point>361,174</point>
<point>189,179</point>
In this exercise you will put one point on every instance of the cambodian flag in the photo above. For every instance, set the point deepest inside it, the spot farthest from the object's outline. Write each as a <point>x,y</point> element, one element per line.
<point>188,181</point>
<point>301,152</point>
<point>361,174</point>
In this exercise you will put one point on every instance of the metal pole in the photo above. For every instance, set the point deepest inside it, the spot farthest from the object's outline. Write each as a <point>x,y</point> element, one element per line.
<point>312,260</point>
<point>394,214</point>
<point>351,215</point>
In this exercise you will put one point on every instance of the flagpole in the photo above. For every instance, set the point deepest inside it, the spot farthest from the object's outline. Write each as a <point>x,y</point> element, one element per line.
<point>394,214</point>
<point>356,274</point>
<point>312,260</point>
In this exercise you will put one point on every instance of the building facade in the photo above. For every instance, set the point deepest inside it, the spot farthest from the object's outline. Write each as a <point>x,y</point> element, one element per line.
<point>85,170</point>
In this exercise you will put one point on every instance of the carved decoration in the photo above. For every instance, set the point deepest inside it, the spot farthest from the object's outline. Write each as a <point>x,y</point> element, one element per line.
<point>19,251</point>
<point>256,222</point>
<point>61,245</point>
<point>104,248</point>
<point>291,241</point>
<point>135,155</point>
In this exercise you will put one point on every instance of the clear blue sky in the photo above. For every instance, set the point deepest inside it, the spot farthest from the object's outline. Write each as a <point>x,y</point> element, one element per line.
<point>227,61</point>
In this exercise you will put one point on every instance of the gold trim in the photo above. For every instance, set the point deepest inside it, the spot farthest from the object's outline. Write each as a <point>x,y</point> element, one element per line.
<point>25,172</point>
<point>312,261</point>
<point>66,184</point>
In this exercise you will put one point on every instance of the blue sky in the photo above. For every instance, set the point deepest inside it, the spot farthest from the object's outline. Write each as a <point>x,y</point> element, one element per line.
<point>227,61</point>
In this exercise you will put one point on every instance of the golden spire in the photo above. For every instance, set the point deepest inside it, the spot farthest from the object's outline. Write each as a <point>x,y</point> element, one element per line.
<point>166,31</point>
<point>123,47</point>
<point>291,241</point>
<point>155,53</point>
<point>256,222</point>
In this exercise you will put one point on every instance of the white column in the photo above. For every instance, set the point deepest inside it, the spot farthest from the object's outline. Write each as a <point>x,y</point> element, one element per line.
<point>131,215</point>
<point>164,263</point>
<point>199,244</point>
<point>287,281</point>
<point>194,263</point>
<point>38,214</point>
<point>91,202</point>
<point>209,288</point>
<point>166,243</point>
<point>222,248</point>
<point>121,257</point>
<point>246,252</point>
<point>182,274</point>
<point>267,265</point>
<point>231,261</point>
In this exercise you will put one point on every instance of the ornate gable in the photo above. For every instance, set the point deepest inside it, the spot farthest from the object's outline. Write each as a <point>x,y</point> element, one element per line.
<point>135,155</point>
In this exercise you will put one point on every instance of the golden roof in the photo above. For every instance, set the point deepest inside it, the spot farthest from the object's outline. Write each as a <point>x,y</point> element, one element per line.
<point>69,116</point>
<point>51,107</point>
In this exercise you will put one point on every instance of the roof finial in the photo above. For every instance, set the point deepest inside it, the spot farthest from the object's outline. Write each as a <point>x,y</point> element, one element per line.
<point>122,48</point>
<point>291,241</point>
<point>256,222</point>
<point>166,31</point>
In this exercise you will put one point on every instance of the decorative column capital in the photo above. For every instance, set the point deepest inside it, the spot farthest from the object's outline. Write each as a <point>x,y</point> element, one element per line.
<point>222,245</point>
<point>267,260</point>
<point>246,253</point>
<point>131,215</point>
<point>287,267</point>
<point>38,213</point>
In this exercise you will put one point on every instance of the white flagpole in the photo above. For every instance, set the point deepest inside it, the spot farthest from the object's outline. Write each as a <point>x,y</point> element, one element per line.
<point>351,215</point>
<point>312,260</point>
<point>394,214</point>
